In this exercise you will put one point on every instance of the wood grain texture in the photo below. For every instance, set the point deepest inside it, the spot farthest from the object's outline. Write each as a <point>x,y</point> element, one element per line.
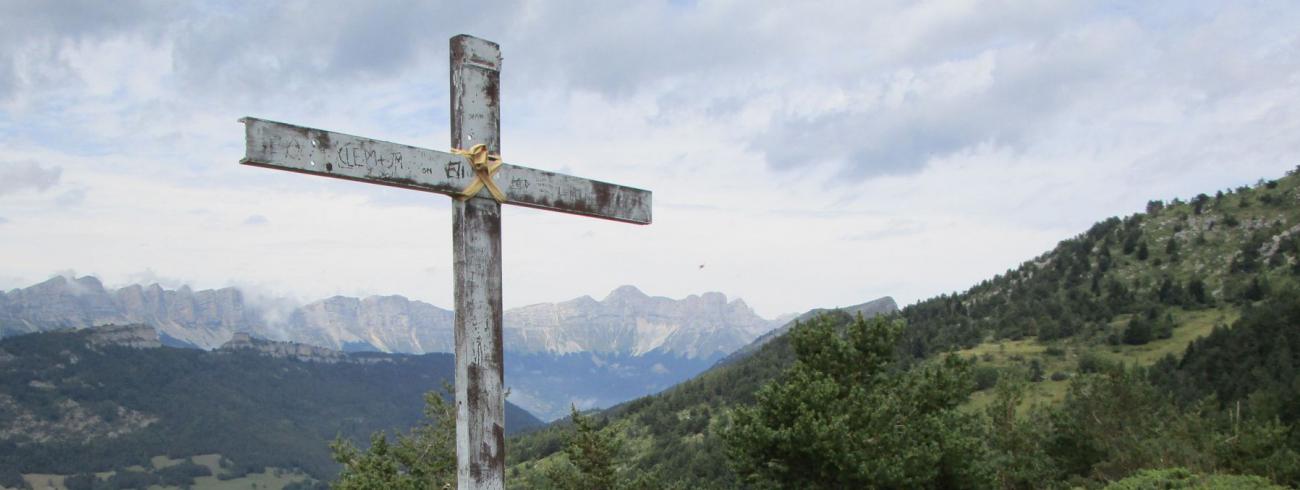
<point>301,149</point>
<point>476,247</point>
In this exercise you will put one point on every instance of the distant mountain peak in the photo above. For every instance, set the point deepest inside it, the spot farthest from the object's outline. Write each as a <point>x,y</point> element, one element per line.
<point>584,299</point>
<point>881,304</point>
<point>628,321</point>
<point>625,293</point>
<point>90,282</point>
<point>714,297</point>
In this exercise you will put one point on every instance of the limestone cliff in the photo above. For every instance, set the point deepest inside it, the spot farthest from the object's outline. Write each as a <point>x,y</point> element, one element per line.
<point>626,322</point>
<point>242,341</point>
<point>135,336</point>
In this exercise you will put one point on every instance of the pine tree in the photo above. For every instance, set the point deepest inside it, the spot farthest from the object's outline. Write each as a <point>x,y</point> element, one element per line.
<point>1018,443</point>
<point>1138,331</point>
<point>1165,328</point>
<point>1198,204</point>
<point>1131,238</point>
<point>1196,291</point>
<point>1036,371</point>
<point>841,418</point>
<point>423,459</point>
<point>1256,289</point>
<point>591,453</point>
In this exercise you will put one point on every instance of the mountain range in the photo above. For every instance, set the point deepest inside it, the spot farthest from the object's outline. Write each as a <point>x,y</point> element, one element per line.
<point>584,352</point>
<point>627,321</point>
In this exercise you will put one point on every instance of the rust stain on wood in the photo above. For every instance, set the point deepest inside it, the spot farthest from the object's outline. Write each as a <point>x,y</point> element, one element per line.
<point>293,148</point>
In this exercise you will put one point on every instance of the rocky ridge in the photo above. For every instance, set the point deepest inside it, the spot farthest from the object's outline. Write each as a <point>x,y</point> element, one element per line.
<point>204,318</point>
<point>629,321</point>
<point>134,336</point>
<point>243,341</point>
<point>880,306</point>
<point>626,322</point>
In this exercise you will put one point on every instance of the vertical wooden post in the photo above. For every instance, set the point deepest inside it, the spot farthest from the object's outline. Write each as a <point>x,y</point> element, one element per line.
<point>476,245</point>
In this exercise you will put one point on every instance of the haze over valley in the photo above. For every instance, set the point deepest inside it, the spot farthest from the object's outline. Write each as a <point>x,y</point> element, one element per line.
<point>586,352</point>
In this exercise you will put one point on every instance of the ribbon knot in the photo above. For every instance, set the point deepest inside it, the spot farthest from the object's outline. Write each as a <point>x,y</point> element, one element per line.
<point>484,165</point>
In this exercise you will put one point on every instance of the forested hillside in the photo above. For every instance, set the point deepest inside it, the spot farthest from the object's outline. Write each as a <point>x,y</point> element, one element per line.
<point>673,434</point>
<point>74,403</point>
<point>1211,251</point>
<point>1083,364</point>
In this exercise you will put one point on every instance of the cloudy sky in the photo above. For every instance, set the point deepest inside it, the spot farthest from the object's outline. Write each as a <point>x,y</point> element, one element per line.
<point>805,153</point>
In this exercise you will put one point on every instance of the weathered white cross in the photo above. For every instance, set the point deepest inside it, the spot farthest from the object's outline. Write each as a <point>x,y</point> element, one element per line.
<point>480,183</point>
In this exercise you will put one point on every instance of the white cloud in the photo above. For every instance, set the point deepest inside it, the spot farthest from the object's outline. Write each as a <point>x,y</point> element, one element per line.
<point>903,148</point>
<point>27,175</point>
<point>148,276</point>
<point>71,198</point>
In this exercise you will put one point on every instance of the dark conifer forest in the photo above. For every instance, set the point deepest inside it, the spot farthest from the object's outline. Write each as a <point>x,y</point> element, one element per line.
<point>70,406</point>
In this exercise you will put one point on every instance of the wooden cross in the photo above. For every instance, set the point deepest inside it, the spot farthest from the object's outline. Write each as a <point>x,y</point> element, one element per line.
<point>476,225</point>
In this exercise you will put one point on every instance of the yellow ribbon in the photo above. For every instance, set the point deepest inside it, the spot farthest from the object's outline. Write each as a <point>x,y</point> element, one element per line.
<point>484,166</point>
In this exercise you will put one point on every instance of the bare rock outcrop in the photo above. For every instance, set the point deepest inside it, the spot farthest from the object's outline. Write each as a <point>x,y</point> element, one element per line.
<point>291,350</point>
<point>134,336</point>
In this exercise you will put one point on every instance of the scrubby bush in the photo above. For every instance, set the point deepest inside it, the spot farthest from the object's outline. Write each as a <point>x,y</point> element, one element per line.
<point>182,474</point>
<point>986,377</point>
<point>124,478</point>
<point>1175,478</point>
<point>79,481</point>
<point>1090,362</point>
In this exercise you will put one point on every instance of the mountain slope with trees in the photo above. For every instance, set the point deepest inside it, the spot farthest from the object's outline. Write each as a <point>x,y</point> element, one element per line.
<point>75,402</point>
<point>1106,314</point>
<point>1216,251</point>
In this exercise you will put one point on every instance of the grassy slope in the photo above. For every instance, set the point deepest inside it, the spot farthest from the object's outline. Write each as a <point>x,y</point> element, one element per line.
<point>665,434</point>
<point>1013,357</point>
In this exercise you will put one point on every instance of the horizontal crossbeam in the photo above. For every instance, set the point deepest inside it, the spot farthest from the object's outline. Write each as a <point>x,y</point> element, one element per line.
<point>300,149</point>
